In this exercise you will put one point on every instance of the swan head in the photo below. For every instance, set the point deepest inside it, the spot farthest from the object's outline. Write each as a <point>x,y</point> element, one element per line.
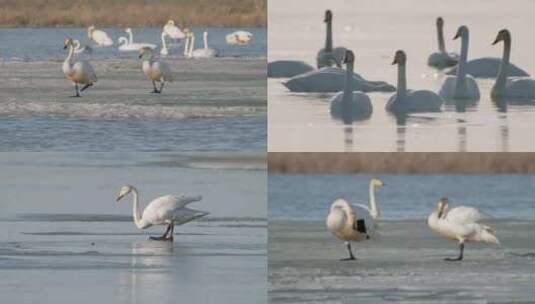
<point>205,34</point>
<point>503,35</point>
<point>145,53</point>
<point>399,58</point>
<point>349,57</point>
<point>68,42</point>
<point>328,16</point>
<point>124,192</point>
<point>442,206</point>
<point>440,22</point>
<point>128,30</point>
<point>122,40</point>
<point>462,31</point>
<point>170,22</point>
<point>90,30</point>
<point>375,182</point>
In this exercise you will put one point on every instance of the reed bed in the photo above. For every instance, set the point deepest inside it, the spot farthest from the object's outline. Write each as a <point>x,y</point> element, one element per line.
<point>133,13</point>
<point>402,163</point>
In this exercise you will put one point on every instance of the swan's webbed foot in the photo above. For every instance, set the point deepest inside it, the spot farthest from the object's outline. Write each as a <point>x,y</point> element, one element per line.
<point>77,95</point>
<point>86,86</point>
<point>460,257</point>
<point>453,259</point>
<point>155,91</point>
<point>351,258</point>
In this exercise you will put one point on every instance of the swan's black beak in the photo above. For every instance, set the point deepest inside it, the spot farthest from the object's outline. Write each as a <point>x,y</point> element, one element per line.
<point>65,47</point>
<point>457,35</point>
<point>140,55</point>
<point>497,40</point>
<point>119,198</point>
<point>395,61</point>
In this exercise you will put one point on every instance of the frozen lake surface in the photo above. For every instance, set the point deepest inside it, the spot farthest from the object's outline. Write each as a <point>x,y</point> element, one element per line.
<point>374,30</point>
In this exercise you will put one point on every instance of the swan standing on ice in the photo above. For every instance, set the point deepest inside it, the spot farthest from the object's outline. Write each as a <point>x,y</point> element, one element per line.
<point>349,105</point>
<point>79,49</point>
<point>205,52</point>
<point>165,210</point>
<point>329,56</point>
<point>98,36</point>
<point>79,72</point>
<point>461,224</point>
<point>156,71</point>
<point>406,101</point>
<point>172,31</point>
<point>287,68</point>
<point>239,37</point>
<point>521,88</point>
<point>354,222</point>
<point>461,86</point>
<point>441,59</point>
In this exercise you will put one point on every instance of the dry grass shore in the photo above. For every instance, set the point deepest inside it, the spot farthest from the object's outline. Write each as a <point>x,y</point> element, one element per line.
<point>403,163</point>
<point>134,13</point>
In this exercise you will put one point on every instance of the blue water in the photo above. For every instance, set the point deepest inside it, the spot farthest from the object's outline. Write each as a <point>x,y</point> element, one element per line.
<point>404,196</point>
<point>47,43</point>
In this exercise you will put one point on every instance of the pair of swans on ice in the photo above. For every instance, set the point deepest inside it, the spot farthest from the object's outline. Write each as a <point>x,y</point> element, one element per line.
<point>356,223</point>
<point>81,72</point>
<point>168,210</point>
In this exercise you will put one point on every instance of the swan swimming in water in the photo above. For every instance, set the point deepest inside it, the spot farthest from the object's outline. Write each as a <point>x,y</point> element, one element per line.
<point>348,105</point>
<point>442,59</point>
<point>239,37</point>
<point>205,52</point>
<point>172,31</point>
<point>98,36</point>
<point>287,68</point>
<point>137,45</point>
<point>167,210</point>
<point>328,56</point>
<point>407,101</point>
<point>461,86</point>
<point>79,49</point>
<point>79,72</point>
<point>521,88</point>
<point>155,70</point>
<point>354,223</point>
<point>461,224</point>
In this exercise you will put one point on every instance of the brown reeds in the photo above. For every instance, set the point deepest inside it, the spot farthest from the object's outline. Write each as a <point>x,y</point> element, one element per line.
<point>134,13</point>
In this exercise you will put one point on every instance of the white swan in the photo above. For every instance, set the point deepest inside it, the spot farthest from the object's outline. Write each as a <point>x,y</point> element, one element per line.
<point>125,46</point>
<point>98,36</point>
<point>461,86</point>
<point>173,31</point>
<point>79,72</point>
<point>349,105</point>
<point>490,67</point>
<point>137,45</point>
<point>167,210</point>
<point>354,222</point>
<point>406,101</point>
<point>442,59</point>
<point>205,52</point>
<point>329,56</point>
<point>239,37</point>
<point>521,88</point>
<point>187,44</point>
<point>79,49</point>
<point>287,68</point>
<point>461,224</point>
<point>156,71</point>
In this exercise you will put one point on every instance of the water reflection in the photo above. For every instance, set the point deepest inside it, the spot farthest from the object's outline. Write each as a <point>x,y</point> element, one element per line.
<point>401,129</point>
<point>348,138</point>
<point>461,135</point>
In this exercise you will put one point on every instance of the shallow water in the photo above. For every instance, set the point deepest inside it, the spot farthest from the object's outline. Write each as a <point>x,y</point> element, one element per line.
<point>63,236</point>
<point>375,30</point>
<point>403,196</point>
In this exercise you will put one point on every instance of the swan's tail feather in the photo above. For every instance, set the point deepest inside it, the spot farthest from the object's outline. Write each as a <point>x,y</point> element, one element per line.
<point>185,215</point>
<point>487,235</point>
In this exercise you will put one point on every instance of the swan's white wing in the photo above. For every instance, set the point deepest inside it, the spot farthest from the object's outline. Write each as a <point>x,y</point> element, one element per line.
<point>102,38</point>
<point>84,72</point>
<point>464,215</point>
<point>184,215</point>
<point>362,212</point>
<point>174,32</point>
<point>164,207</point>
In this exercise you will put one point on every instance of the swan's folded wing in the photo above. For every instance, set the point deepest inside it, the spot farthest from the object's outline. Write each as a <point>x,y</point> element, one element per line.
<point>184,215</point>
<point>464,215</point>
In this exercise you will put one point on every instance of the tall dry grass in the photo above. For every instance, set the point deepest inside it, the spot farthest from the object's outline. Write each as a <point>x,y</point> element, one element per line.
<point>403,163</point>
<point>134,13</point>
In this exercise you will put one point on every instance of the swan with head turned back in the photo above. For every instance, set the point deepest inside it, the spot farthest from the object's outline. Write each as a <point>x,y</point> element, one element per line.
<point>460,224</point>
<point>79,72</point>
<point>168,210</point>
<point>329,56</point>
<point>461,86</point>
<point>407,101</point>
<point>156,71</point>
<point>99,36</point>
<point>520,88</point>
<point>442,59</point>
<point>205,52</point>
<point>354,223</point>
<point>350,105</point>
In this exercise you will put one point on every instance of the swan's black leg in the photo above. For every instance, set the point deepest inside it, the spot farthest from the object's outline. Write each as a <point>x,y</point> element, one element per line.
<point>161,87</point>
<point>154,86</point>
<point>163,237</point>
<point>76,90</point>
<point>170,237</point>
<point>86,86</point>
<point>461,252</point>
<point>351,256</point>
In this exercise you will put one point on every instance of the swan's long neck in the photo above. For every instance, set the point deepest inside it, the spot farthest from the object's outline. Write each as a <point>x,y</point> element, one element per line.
<point>186,46</point>
<point>460,83</point>
<point>164,45</point>
<point>504,65</point>
<point>348,85</point>
<point>70,55</point>
<point>329,37</point>
<point>205,39</point>
<point>440,37</point>
<point>130,37</point>
<point>374,212</point>
<point>402,80</point>
<point>191,45</point>
<point>136,212</point>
